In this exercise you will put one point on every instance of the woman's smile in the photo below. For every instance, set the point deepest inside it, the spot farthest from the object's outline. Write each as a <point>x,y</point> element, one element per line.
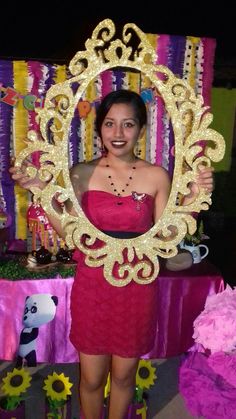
<point>118,144</point>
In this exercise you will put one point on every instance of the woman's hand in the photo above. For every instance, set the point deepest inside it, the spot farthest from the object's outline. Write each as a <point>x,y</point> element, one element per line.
<point>205,178</point>
<point>20,176</point>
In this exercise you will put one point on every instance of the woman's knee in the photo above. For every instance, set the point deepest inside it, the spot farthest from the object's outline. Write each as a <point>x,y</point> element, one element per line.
<point>92,382</point>
<point>123,379</point>
<point>124,371</point>
<point>93,371</point>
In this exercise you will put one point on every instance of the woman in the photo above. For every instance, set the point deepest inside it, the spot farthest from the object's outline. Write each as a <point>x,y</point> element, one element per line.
<point>123,196</point>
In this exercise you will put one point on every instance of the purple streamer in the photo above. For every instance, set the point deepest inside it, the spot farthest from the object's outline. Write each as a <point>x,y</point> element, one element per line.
<point>119,79</point>
<point>6,113</point>
<point>175,63</point>
<point>74,141</point>
<point>176,55</point>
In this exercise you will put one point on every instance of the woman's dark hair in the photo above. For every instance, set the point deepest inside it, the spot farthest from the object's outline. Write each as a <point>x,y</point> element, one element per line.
<point>121,96</point>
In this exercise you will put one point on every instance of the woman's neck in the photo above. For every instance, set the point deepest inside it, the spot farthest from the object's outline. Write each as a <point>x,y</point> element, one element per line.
<point>120,161</point>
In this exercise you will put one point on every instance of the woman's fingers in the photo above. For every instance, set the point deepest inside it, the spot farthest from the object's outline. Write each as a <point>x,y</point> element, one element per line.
<point>205,178</point>
<point>20,176</point>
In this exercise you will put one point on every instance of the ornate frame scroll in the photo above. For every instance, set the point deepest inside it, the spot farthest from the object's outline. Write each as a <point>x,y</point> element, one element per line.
<point>195,143</point>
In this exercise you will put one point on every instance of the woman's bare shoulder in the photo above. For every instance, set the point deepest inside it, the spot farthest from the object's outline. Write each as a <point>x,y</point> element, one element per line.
<point>153,168</point>
<point>83,167</point>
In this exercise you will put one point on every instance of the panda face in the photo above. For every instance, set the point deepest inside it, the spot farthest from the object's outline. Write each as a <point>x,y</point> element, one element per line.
<point>39,309</point>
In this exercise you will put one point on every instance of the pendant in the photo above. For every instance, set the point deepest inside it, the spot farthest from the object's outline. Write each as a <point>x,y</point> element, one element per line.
<point>139,198</point>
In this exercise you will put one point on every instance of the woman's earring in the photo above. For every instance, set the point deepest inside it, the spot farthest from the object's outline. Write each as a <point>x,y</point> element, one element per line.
<point>137,149</point>
<point>101,147</point>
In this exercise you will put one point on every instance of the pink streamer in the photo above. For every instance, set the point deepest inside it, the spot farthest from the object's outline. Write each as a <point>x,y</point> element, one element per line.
<point>106,78</point>
<point>34,68</point>
<point>209,54</point>
<point>162,54</point>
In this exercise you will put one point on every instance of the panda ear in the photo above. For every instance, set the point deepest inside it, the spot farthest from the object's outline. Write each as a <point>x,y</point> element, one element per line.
<point>55,299</point>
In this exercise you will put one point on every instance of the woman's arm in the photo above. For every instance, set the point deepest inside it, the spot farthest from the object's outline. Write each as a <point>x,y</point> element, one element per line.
<point>163,192</point>
<point>204,180</point>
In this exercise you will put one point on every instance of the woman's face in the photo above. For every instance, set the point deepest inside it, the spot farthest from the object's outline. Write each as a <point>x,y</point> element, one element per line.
<point>120,129</point>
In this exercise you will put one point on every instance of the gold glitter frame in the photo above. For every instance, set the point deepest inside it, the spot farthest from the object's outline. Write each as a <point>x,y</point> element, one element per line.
<point>195,143</point>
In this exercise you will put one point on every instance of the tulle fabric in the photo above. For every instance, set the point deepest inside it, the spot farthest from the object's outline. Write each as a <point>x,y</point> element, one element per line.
<point>215,327</point>
<point>208,393</point>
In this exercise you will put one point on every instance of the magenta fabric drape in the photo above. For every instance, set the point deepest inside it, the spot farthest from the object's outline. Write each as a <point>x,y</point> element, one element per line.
<point>180,298</point>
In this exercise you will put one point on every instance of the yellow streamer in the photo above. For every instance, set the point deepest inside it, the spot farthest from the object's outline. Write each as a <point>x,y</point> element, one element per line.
<point>60,75</point>
<point>192,76</point>
<point>134,84</point>
<point>91,96</point>
<point>146,83</point>
<point>20,129</point>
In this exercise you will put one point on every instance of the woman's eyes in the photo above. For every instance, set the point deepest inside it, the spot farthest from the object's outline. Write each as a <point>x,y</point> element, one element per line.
<point>110,124</point>
<point>129,125</point>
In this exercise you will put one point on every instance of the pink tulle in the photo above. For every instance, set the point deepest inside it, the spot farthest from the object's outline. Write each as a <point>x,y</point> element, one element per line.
<point>224,365</point>
<point>205,392</point>
<point>215,327</point>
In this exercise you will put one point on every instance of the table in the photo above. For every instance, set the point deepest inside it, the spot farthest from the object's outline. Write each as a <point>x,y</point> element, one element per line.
<point>180,298</point>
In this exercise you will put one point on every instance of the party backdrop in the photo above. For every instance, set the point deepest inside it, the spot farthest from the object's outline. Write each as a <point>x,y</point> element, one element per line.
<point>24,85</point>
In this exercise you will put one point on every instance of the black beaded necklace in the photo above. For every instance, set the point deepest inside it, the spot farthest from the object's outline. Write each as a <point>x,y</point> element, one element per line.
<point>120,194</point>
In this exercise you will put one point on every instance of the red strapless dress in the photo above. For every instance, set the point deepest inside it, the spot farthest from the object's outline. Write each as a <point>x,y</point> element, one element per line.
<point>108,319</point>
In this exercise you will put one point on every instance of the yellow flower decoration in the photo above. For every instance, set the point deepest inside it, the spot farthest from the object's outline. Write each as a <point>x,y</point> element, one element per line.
<point>57,386</point>
<point>107,388</point>
<point>145,376</point>
<point>16,382</point>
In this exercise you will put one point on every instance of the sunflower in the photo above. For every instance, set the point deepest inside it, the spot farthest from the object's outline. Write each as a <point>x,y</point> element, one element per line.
<point>145,375</point>
<point>57,386</point>
<point>107,388</point>
<point>16,382</point>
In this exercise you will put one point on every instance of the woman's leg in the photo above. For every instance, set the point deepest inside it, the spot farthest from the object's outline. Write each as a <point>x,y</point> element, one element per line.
<point>123,373</point>
<point>93,377</point>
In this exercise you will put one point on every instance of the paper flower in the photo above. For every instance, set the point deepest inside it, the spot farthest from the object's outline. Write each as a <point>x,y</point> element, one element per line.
<point>57,387</point>
<point>215,327</point>
<point>224,365</point>
<point>145,376</point>
<point>14,384</point>
<point>206,393</point>
<point>107,388</point>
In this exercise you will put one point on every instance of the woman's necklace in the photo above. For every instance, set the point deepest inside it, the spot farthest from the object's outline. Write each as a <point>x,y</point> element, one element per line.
<point>120,194</point>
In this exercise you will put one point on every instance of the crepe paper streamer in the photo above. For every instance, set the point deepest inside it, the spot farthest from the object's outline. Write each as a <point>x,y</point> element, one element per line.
<point>20,129</point>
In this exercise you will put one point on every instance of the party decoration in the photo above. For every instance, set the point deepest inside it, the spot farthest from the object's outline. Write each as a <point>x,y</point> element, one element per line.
<point>41,229</point>
<point>190,58</point>
<point>13,386</point>
<point>11,96</point>
<point>215,327</point>
<point>58,393</point>
<point>107,386</point>
<point>39,309</point>
<point>195,143</point>
<point>145,376</point>
<point>207,379</point>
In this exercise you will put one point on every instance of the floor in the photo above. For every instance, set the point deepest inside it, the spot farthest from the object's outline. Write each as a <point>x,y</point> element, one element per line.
<point>163,398</point>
